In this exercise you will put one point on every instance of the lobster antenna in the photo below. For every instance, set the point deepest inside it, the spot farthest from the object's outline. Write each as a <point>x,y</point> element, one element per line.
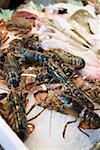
<point>36,115</point>
<point>32,107</point>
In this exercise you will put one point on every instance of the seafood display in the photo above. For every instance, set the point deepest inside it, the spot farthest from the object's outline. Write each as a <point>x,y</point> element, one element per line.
<point>64,103</point>
<point>57,74</point>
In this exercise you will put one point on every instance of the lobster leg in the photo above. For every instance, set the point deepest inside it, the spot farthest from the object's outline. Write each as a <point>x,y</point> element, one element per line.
<point>82,130</point>
<point>36,115</point>
<point>67,125</point>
